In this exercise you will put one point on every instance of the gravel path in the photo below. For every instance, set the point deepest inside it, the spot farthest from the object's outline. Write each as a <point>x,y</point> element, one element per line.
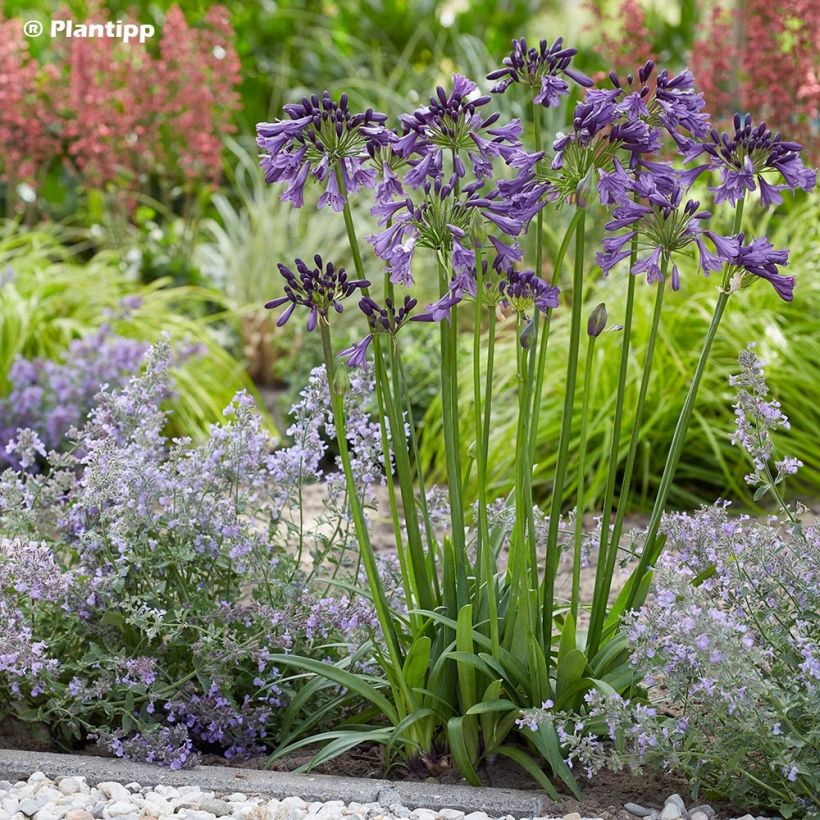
<point>72,798</point>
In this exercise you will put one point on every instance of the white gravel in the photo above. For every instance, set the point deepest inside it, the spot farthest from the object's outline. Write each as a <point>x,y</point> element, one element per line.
<point>71,798</point>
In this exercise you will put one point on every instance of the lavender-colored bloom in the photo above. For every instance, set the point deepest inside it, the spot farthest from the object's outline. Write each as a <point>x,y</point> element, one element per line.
<point>319,289</point>
<point>322,137</point>
<point>613,186</point>
<point>540,69</point>
<point>750,154</point>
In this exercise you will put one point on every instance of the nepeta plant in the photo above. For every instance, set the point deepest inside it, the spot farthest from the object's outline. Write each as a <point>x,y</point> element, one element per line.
<point>483,637</point>
<point>147,584</point>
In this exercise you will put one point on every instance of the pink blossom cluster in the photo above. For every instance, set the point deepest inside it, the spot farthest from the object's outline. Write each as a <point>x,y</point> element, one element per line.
<point>121,113</point>
<point>26,139</point>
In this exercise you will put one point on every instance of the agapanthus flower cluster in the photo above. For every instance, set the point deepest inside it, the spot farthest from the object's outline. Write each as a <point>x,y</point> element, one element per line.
<point>326,140</point>
<point>540,69</point>
<point>380,320</point>
<point>628,118</point>
<point>319,289</point>
<point>750,155</point>
<point>662,222</point>
<point>452,125</point>
<point>760,260</point>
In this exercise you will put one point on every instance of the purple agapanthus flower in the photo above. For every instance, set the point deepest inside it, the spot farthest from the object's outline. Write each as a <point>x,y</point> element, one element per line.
<point>319,289</point>
<point>320,138</point>
<point>540,68</point>
<point>760,259</point>
<point>524,291</point>
<point>442,221</point>
<point>388,319</point>
<point>747,156</point>
<point>663,225</point>
<point>452,126</point>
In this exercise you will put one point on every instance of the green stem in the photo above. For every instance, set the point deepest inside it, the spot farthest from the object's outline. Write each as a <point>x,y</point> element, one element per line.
<point>566,431</point>
<point>485,563</point>
<point>450,418</point>
<point>581,506</point>
<point>362,535</point>
<point>601,581</point>
<point>600,603</point>
<point>676,448</point>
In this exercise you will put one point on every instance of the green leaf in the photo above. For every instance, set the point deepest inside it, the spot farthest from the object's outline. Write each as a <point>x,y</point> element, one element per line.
<point>401,727</point>
<point>417,662</point>
<point>462,754</point>
<point>520,757</point>
<point>567,643</point>
<point>464,645</point>
<point>610,653</point>
<point>761,491</point>
<point>546,741</point>
<point>500,705</point>
<point>355,683</point>
<point>570,670</point>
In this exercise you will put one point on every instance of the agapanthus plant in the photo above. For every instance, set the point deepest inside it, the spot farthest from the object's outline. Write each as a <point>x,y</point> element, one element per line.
<point>483,633</point>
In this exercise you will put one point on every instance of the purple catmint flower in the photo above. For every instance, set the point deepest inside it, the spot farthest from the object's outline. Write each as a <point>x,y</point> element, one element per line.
<point>746,157</point>
<point>453,125</point>
<point>542,69</point>
<point>319,289</point>
<point>321,138</point>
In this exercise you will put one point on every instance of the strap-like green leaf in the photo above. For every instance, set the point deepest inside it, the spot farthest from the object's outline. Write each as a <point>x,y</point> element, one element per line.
<point>462,754</point>
<point>520,757</point>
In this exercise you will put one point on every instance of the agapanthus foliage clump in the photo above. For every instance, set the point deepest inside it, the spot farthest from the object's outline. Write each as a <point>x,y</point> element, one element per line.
<point>146,583</point>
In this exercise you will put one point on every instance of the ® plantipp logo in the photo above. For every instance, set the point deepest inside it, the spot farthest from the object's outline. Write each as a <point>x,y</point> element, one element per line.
<point>126,32</point>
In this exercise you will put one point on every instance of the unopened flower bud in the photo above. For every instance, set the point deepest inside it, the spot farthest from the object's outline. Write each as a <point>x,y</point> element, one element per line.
<point>526,335</point>
<point>584,188</point>
<point>341,380</point>
<point>597,321</point>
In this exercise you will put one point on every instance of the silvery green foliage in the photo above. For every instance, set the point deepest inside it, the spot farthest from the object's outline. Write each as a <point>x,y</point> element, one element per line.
<point>159,572</point>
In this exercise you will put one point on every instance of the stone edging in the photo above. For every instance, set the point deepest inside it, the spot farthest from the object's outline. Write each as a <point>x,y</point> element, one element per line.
<point>18,765</point>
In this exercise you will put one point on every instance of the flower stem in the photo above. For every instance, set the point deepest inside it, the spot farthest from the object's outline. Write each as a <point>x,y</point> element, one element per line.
<point>581,505</point>
<point>485,561</point>
<point>450,418</point>
<point>362,535</point>
<point>601,596</point>
<point>566,431</point>
<point>648,555</point>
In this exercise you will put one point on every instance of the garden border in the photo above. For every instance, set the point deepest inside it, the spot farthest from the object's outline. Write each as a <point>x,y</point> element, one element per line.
<point>495,802</point>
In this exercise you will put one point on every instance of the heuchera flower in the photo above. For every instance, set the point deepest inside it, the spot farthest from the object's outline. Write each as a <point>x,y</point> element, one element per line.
<point>748,155</point>
<point>664,225</point>
<point>320,137</point>
<point>318,289</point>
<point>388,319</point>
<point>540,69</point>
<point>452,123</point>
